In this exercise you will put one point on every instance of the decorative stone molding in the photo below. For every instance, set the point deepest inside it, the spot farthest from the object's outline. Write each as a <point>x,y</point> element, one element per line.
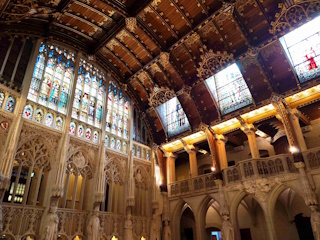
<point>142,175</point>
<point>261,187</point>
<point>114,169</point>
<point>211,62</point>
<point>292,13</point>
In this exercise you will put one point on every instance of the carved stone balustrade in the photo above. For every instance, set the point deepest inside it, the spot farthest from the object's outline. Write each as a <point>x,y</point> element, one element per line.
<point>197,185</point>
<point>71,223</point>
<point>140,227</point>
<point>262,167</point>
<point>16,225</point>
<point>111,225</point>
<point>312,158</point>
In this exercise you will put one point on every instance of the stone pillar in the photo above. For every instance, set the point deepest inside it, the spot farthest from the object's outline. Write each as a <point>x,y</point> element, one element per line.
<point>166,230</point>
<point>192,151</point>
<point>213,150</point>
<point>171,167</point>
<point>250,131</point>
<point>221,150</point>
<point>294,116</point>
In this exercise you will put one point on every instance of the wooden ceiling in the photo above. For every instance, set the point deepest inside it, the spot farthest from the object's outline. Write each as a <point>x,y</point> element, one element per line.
<point>144,44</point>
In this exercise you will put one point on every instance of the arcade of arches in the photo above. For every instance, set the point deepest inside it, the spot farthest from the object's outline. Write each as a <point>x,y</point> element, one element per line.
<point>159,120</point>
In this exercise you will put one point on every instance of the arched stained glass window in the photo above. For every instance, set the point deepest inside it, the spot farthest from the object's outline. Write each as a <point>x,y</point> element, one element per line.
<point>27,112</point>
<point>302,47</point>
<point>52,78</point>
<point>117,112</point>
<point>89,94</point>
<point>229,89</point>
<point>48,120</point>
<point>38,115</point>
<point>173,117</point>
<point>10,104</point>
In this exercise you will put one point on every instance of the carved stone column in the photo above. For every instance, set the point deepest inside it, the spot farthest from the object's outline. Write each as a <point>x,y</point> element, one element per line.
<point>9,150</point>
<point>192,151</point>
<point>171,167</point>
<point>294,116</point>
<point>166,230</point>
<point>221,150</point>
<point>212,145</point>
<point>250,131</point>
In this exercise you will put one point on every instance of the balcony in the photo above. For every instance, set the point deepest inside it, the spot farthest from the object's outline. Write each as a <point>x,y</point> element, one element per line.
<point>244,170</point>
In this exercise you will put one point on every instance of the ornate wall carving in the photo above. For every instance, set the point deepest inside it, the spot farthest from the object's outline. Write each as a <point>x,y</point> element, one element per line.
<point>142,174</point>
<point>161,96</point>
<point>114,168</point>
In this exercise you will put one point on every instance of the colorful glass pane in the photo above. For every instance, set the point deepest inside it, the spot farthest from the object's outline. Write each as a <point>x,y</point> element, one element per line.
<point>48,120</point>
<point>2,96</point>
<point>112,143</point>
<point>38,116</point>
<point>302,47</point>
<point>95,137</point>
<point>106,141</point>
<point>10,104</point>
<point>230,89</point>
<point>59,123</point>
<point>138,152</point>
<point>27,112</point>
<point>118,145</point>
<point>88,134</point>
<point>72,128</point>
<point>80,131</point>
<point>124,147</point>
<point>133,151</point>
<point>148,155</point>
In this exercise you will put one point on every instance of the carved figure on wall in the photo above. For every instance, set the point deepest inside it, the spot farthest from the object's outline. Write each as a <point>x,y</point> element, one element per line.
<point>93,227</point>
<point>315,222</point>
<point>51,229</point>
<point>166,231</point>
<point>227,229</point>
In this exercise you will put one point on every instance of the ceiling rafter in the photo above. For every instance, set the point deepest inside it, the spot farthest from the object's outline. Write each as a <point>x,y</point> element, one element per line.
<point>204,9</point>
<point>240,25</point>
<point>139,43</point>
<point>119,59</point>
<point>150,33</point>
<point>140,83</point>
<point>174,65</point>
<point>4,6</point>
<point>221,35</point>
<point>83,20</point>
<point>263,11</point>
<point>119,7</point>
<point>266,72</point>
<point>173,33</point>
<point>109,66</point>
<point>189,54</point>
<point>97,11</point>
<point>111,34</point>
<point>164,74</point>
<point>150,77</point>
<point>73,30</point>
<point>184,16</point>
<point>128,51</point>
<point>60,9</point>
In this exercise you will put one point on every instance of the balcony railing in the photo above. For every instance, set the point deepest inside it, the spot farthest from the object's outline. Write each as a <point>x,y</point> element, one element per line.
<point>16,225</point>
<point>111,224</point>
<point>246,169</point>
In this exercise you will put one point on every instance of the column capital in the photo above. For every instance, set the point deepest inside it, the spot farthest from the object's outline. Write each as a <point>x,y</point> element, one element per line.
<point>299,165</point>
<point>189,147</point>
<point>170,155</point>
<point>294,113</point>
<point>221,137</point>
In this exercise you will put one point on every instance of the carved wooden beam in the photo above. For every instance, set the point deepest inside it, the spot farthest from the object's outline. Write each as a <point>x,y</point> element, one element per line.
<point>139,43</point>
<point>118,6</point>
<point>164,74</point>
<point>184,16</point>
<point>111,34</point>
<point>262,9</point>
<point>93,9</point>
<point>165,22</point>
<point>128,51</point>
<point>240,25</point>
<point>121,61</point>
<point>83,20</point>
<point>4,6</point>
<point>189,54</point>
<point>73,30</point>
<point>141,84</point>
<point>150,33</point>
<point>222,37</point>
<point>204,8</point>
<point>113,70</point>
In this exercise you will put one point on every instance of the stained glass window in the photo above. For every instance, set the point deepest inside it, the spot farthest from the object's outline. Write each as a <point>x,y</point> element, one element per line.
<point>27,112</point>
<point>106,141</point>
<point>118,145</point>
<point>10,104</point>
<point>52,77</point>
<point>117,112</point>
<point>72,128</point>
<point>88,134</point>
<point>112,143</point>
<point>173,117</point>
<point>48,120</point>
<point>302,47</point>
<point>59,123</point>
<point>95,137</point>
<point>80,131</point>
<point>38,115</point>
<point>89,94</point>
<point>229,89</point>
<point>2,96</point>
<point>124,147</point>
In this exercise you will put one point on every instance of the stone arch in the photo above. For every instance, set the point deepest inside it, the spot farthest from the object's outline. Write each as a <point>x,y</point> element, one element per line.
<point>79,162</point>
<point>114,172</point>
<point>176,218</point>
<point>235,203</point>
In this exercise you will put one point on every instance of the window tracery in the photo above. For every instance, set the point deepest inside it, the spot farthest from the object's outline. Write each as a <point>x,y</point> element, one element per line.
<point>52,78</point>
<point>229,89</point>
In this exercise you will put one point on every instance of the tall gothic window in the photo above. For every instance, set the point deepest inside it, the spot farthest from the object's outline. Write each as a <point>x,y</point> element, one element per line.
<point>52,78</point>
<point>229,89</point>
<point>302,47</point>
<point>89,95</point>
<point>173,117</point>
